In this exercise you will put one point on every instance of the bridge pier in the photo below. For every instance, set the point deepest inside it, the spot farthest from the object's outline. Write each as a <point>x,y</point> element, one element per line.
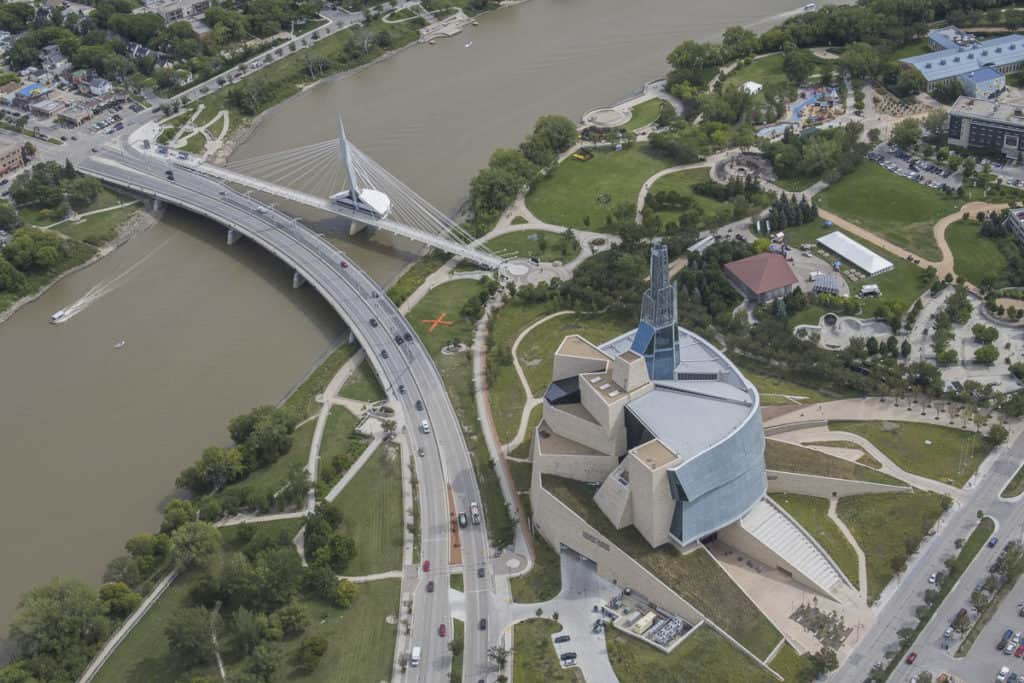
<point>297,280</point>
<point>233,236</point>
<point>157,205</point>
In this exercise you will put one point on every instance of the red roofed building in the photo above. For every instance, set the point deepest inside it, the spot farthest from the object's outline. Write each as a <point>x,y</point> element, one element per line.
<point>763,277</point>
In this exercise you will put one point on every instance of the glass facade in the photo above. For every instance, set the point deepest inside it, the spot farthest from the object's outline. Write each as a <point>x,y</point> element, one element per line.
<point>657,337</point>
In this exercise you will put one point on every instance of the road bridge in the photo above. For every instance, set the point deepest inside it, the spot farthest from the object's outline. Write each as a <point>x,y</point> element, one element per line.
<point>357,299</point>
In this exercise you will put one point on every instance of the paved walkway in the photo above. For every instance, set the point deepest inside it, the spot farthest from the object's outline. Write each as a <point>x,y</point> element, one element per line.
<point>354,470</point>
<point>862,563</point>
<point>396,574</point>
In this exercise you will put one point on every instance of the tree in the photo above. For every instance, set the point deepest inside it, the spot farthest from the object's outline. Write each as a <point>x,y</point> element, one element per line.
<point>194,543</point>
<point>499,654</point>
<point>216,468</point>
<point>987,354</point>
<point>557,132</point>
<point>82,192</point>
<point>905,349</point>
<point>177,513</point>
<point>739,42</point>
<point>906,133</point>
<point>823,661</point>
<point>874,136</point>
<point>984,334</point>
<point>860,60</point>
<point>456,647</point>
<point>872,346</point>
<point>189,633</point>
<point>796,63</point>
<point>344,593</point>
<point>11,279</point>
<point>118,599</point>
<point>997,434</point>
<point>265,662</point>
<point>311,650</point>
<point>56,628</point>
<point>935,124</point>
<point>249,628</point>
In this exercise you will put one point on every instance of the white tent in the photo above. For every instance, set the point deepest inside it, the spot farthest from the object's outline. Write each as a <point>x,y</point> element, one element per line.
<point>855,252</point>
<point>752,87</point>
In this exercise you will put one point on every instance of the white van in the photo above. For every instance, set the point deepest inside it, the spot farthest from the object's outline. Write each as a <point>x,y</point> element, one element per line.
<point>425,427</point>
<point>414,658</point>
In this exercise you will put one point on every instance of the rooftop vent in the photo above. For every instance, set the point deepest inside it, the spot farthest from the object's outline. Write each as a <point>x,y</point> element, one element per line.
<point>613,394</point>
<point>595,380</point>
<point>605,386</point>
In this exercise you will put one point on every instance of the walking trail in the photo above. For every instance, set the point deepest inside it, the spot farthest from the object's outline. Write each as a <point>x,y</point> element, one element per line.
<point>862,563</point>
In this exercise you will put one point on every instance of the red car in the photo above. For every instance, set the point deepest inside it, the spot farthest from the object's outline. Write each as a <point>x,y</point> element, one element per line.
<point>344,264</point>
<point>426,565</point>
<point>911,657</point>
<point>441,630</point>
<point>1019,652</point>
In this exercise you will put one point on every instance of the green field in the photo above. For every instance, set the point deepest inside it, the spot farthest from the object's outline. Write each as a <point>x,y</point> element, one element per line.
<point>774,385</point>
<point>539,244</point>
<point>363,385</point>
<point>580,189</point>
<point>953,456</point>
<point>888,528</point>
<point>409,281</point>
<point>544,580</point>
<point>1016,485</point>
<point>812,514</point>
<point>683,182</point>
<point>704,657</point>
<point>458,636</point>
<point>538,348</point>
<point>340,445</point>
<point>767,71</point>
<point>918,47</point>
<point>696,577</point>
<point>371,513</point>
<point>457,372</point>
<point>535,658</point>
<point>892,207</point>
<point>974,257</point>
<point>644,113</point>
<point>100,228</point>
<point>303,399</point>
<point>788,664</point>
<point>779,455</point>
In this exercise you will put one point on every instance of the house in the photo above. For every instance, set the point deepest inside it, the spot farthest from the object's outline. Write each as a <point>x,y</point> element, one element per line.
<point>53,60</point>
<point>10,158</point>
<point>99,87</point>
<point>176,10</point>
<point>762,277</point>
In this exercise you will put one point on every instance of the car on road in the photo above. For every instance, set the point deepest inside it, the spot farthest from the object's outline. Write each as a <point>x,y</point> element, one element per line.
<point>562,639</point>
<point>401,388</point>
<point>425,427</point>
<point>480,572</point>
<point>373,322</point>
<point>426,565</point>
<point>383,353</point>
<point>483,624</point>
<point>463,520</point>
<point>442,630</point>
<point>398,339</point>
<point>407,336</point>
<point>911,658</point>
<point>421,452</point>
<point>344,264</point>
<point>567,655</point>
<point>1019,652</point>
<point>419,404</point>
<point>992,542</point>
<point>931,578</point>
<point>430,586</point>
<point>261,209</point>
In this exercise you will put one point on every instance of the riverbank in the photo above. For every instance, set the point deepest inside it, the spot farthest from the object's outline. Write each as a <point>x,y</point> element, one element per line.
<point>136,223</point>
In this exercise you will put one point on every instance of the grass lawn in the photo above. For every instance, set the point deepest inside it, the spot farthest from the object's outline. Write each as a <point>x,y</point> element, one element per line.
<point>812,514</point>
<point>363,385</point>
<point>953,456</point>
<point>538,348</point>
<point>591,189</point>
<point>774,385</point>
<point>888,528</point>
<point>696,577</point>
<point>788,457</point>
<point>521,474</point>
<point>303,399</point>
<point>901,286</point>
<point>539,244</point>
<point>644,113</point>
<point>895,208</point>
<point>544,580</point>
<point>371,513</point>
<point>766,71</point>
<point>797,184</point>
<point>918,47</point>
<point>409,281</point>
<point>340,445</point>
<point>975,257</point>
<point>788,664</point>
<point>523,449</point>
<point>458,636</point>
<point>266,480</point>
<point>506,394</point>
<point>1016,485</point>
<point>457,372</point>
<point>98,229</point>
<point>536,660</point>
<point>704,657</point>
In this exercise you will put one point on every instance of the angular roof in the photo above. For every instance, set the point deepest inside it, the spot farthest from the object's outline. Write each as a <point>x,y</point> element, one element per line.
<point>982,75</point>
<point>954,61</point>
<point>763,272</point>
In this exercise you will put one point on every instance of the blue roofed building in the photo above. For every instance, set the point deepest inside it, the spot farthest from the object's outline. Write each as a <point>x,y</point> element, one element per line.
<point>984,83</point>
<point>1004,55</point>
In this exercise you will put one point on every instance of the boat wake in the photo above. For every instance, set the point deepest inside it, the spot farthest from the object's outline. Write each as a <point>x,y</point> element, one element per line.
<point>101,289</point>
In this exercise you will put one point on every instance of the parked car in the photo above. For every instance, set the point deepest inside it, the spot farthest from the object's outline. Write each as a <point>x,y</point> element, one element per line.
<point>992,542</point>
<point>567,655</point>
<point>562,639</point>
<point>931,578</point>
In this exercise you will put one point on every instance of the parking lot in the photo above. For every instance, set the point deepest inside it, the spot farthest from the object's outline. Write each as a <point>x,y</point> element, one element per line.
<point>922,171</point>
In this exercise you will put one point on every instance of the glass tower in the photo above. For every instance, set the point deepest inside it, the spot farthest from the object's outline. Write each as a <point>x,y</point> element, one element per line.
<point>657,336</point>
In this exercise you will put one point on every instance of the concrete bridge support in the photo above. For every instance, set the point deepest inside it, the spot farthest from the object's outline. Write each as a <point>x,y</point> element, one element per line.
<point>233,236</point>
<point>157,205</point>
<point>297,280</point>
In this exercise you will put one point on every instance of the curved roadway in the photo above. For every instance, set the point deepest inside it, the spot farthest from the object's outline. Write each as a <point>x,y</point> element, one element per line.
<point>357,299</point>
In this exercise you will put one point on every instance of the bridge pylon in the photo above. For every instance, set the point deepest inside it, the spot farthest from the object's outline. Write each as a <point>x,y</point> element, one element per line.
<point>374,203</point>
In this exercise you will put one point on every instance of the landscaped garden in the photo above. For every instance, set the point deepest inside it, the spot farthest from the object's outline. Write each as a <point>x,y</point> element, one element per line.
<point>892,207</point>
<point>535,658</point>
<point>363,385</point>
<point>544,580</point>
<point>888,528</point>
<point>812,514</point>
<point>645,113</point>
<point>582,194</point>
<point>779,455</point>
<point>539,244</point>
<point>942,453</point>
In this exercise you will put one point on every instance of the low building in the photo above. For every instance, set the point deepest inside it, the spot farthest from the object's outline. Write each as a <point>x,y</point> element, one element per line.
<point>1004,54</point>
<point>1015,221</point>
<point>10,157</point>
<point>99,87</point>
<point>752,87</point>
<point>949,38</point>
<point>53,59</point>
<point>827,283</point>
<point>984,83</point>
<point>763,277</point>
<point>987,126</point>
<point>175,10</point>
<point>76,115</point>
<point>29,94</point>
<point>856,253</point>
<point>46,108</point>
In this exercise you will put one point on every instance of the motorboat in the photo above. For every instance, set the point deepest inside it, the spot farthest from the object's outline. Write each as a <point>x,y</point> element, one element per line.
<point>59,317</point>
<point>810,7</point>
<point>121,344</point>
<point>469,44</point>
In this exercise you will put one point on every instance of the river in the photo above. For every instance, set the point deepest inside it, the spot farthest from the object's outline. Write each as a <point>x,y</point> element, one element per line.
<point>93,437</point>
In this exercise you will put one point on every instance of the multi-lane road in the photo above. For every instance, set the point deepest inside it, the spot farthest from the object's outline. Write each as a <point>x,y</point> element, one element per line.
<point>358,299</point>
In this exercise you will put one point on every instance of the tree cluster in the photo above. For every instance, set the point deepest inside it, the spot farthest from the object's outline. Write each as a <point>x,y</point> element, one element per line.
<point>789,212</point>
<point>830,153</point>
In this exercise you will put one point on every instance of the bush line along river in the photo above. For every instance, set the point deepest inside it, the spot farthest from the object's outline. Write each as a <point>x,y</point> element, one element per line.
<point>93,438</point>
